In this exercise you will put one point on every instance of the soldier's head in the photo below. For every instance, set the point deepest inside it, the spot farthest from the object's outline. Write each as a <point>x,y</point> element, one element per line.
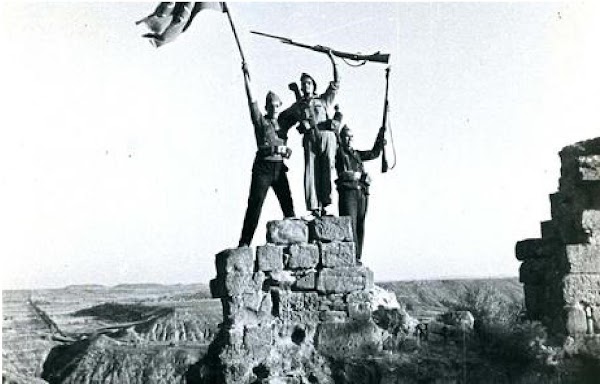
<point>272,104</point>
<point>346,136</point>
<point>308,85</point>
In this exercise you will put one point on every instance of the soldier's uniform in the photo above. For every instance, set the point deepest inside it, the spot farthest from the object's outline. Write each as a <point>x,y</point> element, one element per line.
<point>353,187</point>
<point>268,171</point>
<point>319,142</point>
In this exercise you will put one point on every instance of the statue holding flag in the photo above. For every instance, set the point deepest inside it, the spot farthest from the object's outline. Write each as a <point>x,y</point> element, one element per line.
<point>311,114</point>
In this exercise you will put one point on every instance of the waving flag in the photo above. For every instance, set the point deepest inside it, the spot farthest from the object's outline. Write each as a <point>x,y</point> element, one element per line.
<point>169,20</point>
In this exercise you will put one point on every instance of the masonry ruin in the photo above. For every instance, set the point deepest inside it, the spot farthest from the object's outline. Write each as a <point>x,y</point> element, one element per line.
<point>289,309</point>
<point>561,270</point>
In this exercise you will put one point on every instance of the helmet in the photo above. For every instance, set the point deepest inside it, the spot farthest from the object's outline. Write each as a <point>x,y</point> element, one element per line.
<point>307,76</point>
<point>273,98</point>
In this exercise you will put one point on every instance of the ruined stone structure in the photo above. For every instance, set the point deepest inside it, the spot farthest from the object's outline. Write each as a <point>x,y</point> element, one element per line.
<point>292,307</point>
<point>561,270</point>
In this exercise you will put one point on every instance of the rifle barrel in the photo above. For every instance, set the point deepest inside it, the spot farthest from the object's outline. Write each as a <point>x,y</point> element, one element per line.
<point>376,57</point>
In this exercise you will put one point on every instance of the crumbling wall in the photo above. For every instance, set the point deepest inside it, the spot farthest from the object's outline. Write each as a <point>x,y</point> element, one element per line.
<point>561,270</point>
<point>293,306</point>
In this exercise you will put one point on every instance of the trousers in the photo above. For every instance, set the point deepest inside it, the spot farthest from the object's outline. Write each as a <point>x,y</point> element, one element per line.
<point>319,162</point>
<point>353,203</point>
<point>266,174</point>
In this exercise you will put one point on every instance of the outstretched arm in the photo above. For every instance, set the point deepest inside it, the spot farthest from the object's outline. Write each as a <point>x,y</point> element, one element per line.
<point>329,95</point>
<point>252,104</point>
<point>377,147</point>
<point>336,75</point>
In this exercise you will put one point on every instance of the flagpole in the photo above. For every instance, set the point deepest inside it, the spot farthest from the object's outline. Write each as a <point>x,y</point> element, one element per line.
<point>237,40</point>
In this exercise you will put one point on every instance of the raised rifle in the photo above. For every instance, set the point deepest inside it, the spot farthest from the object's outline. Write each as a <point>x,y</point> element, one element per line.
<point>377,57</point>
<point>385,125</point>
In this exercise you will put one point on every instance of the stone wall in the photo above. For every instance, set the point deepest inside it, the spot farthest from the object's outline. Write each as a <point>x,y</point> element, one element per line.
<point>561,270</point>
<point>292,306</point>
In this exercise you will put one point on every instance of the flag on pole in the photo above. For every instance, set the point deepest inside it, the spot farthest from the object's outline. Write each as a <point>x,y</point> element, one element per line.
<point>169,20</point>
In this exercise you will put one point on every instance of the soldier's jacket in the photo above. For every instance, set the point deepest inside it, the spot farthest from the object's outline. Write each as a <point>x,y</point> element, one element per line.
<point>314,110</point>
<point>268,135</point>
<point>350,168</point>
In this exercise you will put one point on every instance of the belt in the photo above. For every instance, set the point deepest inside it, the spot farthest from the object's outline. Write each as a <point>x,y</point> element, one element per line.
<point>272,150</point>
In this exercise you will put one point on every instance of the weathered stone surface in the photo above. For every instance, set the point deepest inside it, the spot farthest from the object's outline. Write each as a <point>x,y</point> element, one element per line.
<point>303,256</point>
<point>344,279</point>
<point>581,258</point>
<point>287,231</point>
<point>549,230</point>
<point>269,257</point>
<point>239,260</point>
<point>338,254</point>
<point>359,305</point>
<point>575,320</point>
<point>349,338</point>
<point>535,301</point>
<point>534,271</point>
<point>282,279</point>
<point>590,222</point>
<point>236,283</point>
<point>333,316</point>
<point>534,249</point>
<point>287,301</point>
<point>589,167</point>
<point>248,308</point>
<point>333,302</point>
<point>258,340</point>
<point>331,228</point>
<point>305,281</point>
<point>383,298</point>
<point>581,287</point>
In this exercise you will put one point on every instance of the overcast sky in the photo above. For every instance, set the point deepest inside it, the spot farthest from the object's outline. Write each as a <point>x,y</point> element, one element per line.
<point>122,163</point>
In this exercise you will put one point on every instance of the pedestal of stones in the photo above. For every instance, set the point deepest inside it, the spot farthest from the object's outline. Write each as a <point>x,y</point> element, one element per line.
<point>561,270</point>
<point>293,305</point>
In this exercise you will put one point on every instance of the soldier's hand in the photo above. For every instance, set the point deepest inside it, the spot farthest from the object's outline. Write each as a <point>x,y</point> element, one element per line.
<point>245,67</point>
<point>288,153</point>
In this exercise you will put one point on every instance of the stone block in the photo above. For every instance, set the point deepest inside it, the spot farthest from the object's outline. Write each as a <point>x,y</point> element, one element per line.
<point>359,305</point>
<point>533,271</point>
<point>239,260</point>
<point>575,320</point>
<point>344,279</point>
<point>353,338</point>
<point>333,302</point>
<point>589,167</point>
<point>549,230</point>
<point>305,281</point>
<point>248,308</point>
<point>590,223</point>
<point>297,306</point>
<point>333,316</point>
<point>331,228</point>
<point>287,231</point>
<point>269,257</point>
<point>581,287</point>
<point>281,279</point>
<point>338,254</point>
<point>257,341</point>
<point>535,301</point>
<point>534,249</point>
<point>236,283</point>
<point>302,256</point>
<point>581,258</point>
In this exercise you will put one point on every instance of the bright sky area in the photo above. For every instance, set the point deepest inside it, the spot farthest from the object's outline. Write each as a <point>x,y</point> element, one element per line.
<point>122,163</point>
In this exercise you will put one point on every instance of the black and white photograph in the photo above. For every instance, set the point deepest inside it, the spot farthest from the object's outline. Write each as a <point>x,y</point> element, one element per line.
<point>300,192</point>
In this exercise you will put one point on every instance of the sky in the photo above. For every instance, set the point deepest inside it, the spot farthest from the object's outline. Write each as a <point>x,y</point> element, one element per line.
<point>122,163</point>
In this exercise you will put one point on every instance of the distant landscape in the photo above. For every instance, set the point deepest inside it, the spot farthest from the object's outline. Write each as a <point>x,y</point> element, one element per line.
<point>36,321</point>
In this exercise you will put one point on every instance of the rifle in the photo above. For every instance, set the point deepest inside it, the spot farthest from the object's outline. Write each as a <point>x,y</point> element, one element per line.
<point>384,126</point>
<point>377,57</point>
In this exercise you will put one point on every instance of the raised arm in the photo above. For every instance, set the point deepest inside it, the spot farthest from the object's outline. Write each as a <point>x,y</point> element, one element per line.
<point>377,147</point>
<point>329,95</point>
<point>252,104</point>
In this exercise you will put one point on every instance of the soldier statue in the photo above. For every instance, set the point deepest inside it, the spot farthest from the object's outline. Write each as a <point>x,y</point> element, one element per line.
<point>353,182</point>
<point>311,113</point>
<point>269,169</point>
